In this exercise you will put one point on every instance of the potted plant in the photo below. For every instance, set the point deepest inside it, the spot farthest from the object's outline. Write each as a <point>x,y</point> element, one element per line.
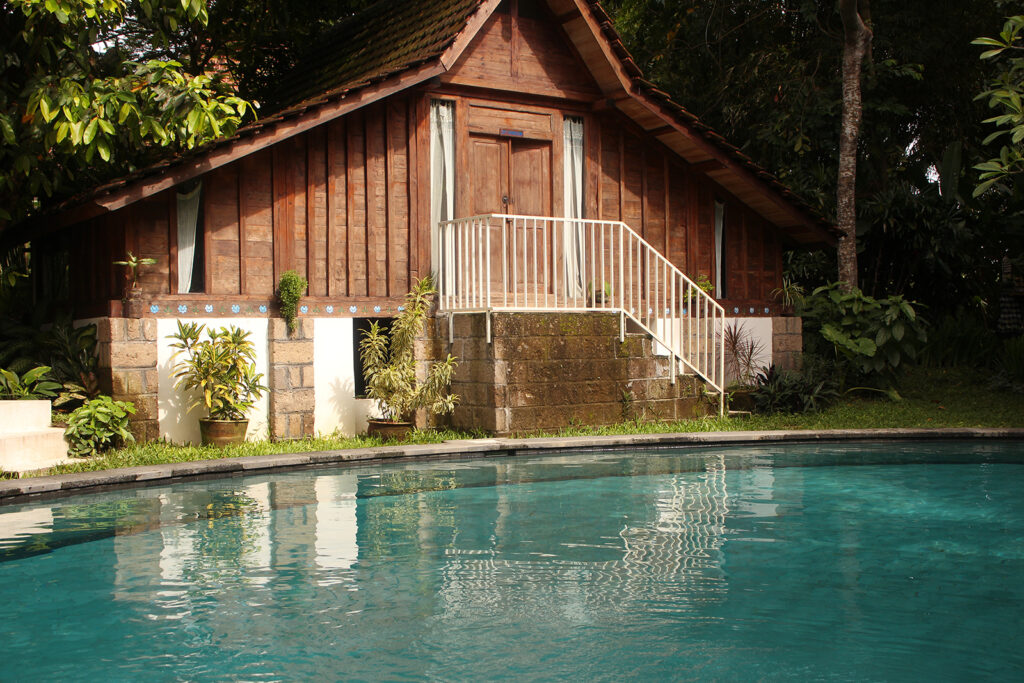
<point>599,298</point>
<point>132,300</point>
<point>389,366</point>
<point>221,372</point>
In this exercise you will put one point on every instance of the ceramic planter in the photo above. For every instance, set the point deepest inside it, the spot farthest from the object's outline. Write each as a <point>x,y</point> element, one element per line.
<point>386,429</point>
<point>222,432</point>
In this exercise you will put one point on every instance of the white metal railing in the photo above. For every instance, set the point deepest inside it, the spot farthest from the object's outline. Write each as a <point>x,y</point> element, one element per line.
<point>501,262</point>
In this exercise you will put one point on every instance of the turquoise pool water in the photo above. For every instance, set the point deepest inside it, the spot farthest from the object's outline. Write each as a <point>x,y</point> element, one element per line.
<point>852,562</point>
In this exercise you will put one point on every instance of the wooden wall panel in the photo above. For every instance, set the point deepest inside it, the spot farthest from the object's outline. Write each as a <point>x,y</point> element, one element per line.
<point>376,202</point>
<point>152,241</point>
<point>316,211</point>
<point>654,199</point>
<point>398,198</point>
<point>704,256</point>
<point>633,184</point>
<point>609,176</point>
<point>736,257</point>
<point>678,224</point>
<point>337,215</point>
<point>525,56</point>
<point>297,167</point>
<point>357,205</point>
<point>256,211</point>
<point>220,218</point>
<point>284,210</point>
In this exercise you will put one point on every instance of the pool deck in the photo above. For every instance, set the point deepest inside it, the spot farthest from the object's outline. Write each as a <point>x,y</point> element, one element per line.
<point>33,488</point>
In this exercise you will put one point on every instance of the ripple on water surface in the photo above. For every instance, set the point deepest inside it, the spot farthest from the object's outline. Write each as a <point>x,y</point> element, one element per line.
<point>852,562</point>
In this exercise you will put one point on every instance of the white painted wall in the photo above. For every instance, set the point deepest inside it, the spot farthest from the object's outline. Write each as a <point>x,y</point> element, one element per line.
<point>336,407</point>
<point>176,423</point>
<point>759,329</point>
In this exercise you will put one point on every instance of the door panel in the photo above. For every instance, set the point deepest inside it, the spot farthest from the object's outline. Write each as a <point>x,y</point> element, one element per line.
<point>517,171</point>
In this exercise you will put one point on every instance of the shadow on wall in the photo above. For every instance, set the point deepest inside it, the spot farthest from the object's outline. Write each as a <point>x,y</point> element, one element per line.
<point>337,410</point>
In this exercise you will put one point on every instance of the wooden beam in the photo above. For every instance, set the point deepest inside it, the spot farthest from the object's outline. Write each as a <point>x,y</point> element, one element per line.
<point>707,166</point>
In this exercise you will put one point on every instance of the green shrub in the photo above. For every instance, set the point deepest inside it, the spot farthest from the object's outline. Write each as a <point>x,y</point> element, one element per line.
<point>220,370</point>
<point>390,365</point>
<point>34,384</point>
<point>960,340</point>
<point>98,425</point>
<point>1010,364</point>
<point>290,289</point>
<point>781,391</point>
<point>873,336</point>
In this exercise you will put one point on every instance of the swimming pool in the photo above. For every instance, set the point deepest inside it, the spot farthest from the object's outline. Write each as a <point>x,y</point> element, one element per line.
<point>852,561</point>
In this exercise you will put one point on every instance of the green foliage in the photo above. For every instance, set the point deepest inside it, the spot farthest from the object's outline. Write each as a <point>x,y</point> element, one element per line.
<point>290,289</point>
<point>77,104</point>
<point>219,372</point>
<point>874,336</point>
<point>98,425</point>
<point>1010,365</point>
<point>1004,96</point>
<point>961,340</point>
<point>133,263</point>
<point>780,391</point>
<point>34,384</point>
<point>390,365</point>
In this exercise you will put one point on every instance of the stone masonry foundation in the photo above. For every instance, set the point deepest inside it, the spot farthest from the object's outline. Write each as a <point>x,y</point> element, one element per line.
<point>127,356</point>
<point>290,378</point>
<point>787,342</point>
<point>552,370</point>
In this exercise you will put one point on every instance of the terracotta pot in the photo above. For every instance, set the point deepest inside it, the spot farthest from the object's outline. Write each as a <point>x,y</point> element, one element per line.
<point>386,429</point>
<point>133,306</point>
<point>222,432</point>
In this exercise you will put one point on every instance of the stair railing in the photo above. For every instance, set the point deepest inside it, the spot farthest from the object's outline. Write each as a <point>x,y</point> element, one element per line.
<point>504,262</point>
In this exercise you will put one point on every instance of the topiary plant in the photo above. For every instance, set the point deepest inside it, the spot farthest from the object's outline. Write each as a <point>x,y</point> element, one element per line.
<point>290,289</point>
<point>389,363</point>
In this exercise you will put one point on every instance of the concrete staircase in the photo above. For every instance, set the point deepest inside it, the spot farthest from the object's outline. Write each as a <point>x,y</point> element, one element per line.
<point>27,441</point>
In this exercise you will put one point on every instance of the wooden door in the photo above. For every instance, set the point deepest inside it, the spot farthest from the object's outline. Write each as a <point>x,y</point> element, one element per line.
<point>512,176</point>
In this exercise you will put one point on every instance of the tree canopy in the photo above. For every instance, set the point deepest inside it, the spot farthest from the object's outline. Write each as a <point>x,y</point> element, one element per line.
<point>767,76</point>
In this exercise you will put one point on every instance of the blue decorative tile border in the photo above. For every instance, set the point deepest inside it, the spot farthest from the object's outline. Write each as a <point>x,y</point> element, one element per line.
<point>228,309</point>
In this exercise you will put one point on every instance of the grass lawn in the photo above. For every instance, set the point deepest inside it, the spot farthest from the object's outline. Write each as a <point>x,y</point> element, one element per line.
<point>954,397</point>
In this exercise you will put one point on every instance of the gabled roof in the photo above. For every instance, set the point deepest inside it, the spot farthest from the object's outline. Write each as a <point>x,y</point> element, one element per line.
<point>396,44</point>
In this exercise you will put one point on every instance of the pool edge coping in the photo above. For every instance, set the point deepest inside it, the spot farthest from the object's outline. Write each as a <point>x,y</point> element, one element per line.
<point>14,491</point>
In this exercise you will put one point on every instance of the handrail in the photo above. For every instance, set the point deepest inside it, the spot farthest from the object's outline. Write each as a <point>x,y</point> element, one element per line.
<point>572,264</point>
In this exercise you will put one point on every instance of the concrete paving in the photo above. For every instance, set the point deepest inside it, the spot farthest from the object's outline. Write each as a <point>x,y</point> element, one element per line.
<point>23,490</point>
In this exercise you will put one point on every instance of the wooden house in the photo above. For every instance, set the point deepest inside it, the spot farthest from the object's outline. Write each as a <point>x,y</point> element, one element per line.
<point>409,120</point>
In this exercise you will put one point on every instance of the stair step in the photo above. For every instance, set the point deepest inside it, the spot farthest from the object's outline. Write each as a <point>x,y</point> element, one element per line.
<point>34,449</point>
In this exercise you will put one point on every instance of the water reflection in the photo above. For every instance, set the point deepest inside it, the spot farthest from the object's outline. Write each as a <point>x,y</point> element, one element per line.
<point>171,546</point>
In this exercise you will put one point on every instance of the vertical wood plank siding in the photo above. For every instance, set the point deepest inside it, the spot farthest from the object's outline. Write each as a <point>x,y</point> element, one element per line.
<point>649,188</point>
<point>333,204</point>
<point>347,205</point>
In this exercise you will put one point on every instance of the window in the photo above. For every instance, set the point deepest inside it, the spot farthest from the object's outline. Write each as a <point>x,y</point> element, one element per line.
<point>720,292</point>
<point>191,261</point>
<point>442,184</point>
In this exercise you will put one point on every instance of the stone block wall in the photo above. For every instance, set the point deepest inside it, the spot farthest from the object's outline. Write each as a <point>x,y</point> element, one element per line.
<point>551,370</point>
<point>127,359</point>
<point>290,379</point>
<point>787,342</point>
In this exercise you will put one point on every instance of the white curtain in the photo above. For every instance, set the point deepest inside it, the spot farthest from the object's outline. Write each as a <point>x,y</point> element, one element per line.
<point>573,183</point>
<point>188,217</point>
<point>719,248</point>
<point>442,187</point>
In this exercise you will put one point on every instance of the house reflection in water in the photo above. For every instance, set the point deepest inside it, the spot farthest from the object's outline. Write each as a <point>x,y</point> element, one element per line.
<point>511,540</point>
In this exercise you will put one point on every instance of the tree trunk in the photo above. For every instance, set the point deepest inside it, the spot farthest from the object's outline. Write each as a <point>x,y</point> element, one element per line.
<point>856,40</point>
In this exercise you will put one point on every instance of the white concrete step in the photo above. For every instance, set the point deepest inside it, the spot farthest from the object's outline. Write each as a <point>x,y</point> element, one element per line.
<point>32,450</point>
